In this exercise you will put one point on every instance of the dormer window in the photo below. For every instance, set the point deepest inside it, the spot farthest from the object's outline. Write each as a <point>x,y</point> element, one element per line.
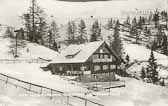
<point>69,56</point>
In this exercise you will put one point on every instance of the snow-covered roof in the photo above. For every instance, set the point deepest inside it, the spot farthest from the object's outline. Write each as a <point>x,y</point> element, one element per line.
<point>77,53</point>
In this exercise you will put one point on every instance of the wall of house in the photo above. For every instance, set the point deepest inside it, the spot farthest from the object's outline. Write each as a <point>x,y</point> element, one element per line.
<point>101,77</point>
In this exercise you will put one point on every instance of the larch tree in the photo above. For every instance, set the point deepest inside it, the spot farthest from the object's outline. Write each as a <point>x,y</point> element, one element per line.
<point>110,23</point>
<point>116,44</point>
<point>95,32</point>
<point>71,30</point>
<point>127,21</point>
<point>9,32</point>
<point>165,45</point>
<point>35,23</point>
<point>53,34</point>
<point>156,18</point>
<point>82,32</point>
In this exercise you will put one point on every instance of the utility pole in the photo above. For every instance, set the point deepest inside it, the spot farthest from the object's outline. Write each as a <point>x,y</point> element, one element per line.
<point>33,13</point>
<point>17,32</point>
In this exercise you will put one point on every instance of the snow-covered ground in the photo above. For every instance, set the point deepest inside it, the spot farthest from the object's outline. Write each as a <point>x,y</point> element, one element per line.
<point>12,96</point>
<point>141,54</point>
<point>136,93</point>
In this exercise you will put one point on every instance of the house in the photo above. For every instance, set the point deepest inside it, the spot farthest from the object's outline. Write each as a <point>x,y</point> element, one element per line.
<point>89,58</point>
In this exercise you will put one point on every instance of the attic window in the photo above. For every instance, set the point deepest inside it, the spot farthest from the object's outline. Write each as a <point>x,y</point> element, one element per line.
<point>69,56</point>
<point>101,50</point>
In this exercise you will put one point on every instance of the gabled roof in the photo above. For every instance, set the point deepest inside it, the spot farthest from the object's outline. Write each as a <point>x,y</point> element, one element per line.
<point>78,53</point>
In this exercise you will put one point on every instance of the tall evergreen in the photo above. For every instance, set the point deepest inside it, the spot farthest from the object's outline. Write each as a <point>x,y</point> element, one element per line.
<point>156,18</point>
<point>95,32</point>
<point>35,23</point>
<point>152,73</point>
<point>127,22</point>
<point>71,30</point>
<point>110,23</point>
<point>117,45</point>
<point>53,33</point>
<point>82,32</point>
<point>9,32</point>
<point>165,45</point>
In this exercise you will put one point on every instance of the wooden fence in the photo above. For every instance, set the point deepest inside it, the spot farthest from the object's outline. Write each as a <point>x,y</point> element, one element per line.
<point>9,61</point>
<point>67,98</point>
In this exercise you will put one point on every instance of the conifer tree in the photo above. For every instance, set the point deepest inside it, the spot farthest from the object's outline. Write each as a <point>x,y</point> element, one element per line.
<point>127,22</point>
<point>152,73</point>
<point>35,23</point>
<point>9,32</point>
<point>95,32</point>
<point>117,45</point>
<point>82,32</point>
<point>53,33</point>
<point>164,45</point>
<point>156,18</point>
<point>110,23</point>
<point>143,73</point>
<point>71,30</point>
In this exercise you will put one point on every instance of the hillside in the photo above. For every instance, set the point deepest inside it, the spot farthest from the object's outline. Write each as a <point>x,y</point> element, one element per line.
<point>135,93</point>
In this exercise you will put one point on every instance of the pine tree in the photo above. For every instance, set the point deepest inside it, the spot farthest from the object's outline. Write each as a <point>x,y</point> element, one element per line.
<point>127,22</point>
<point>165,45</point>
<point>140,22</point>
<point>127,58</point>
<point>117,45</point>
<point>71,30</point>
<point>82,32</point>
<point>134,22</point>
<point>110,23</point>
<point>143,73</point>
<point>134,30</point>
<point>152,73</point>
<point>156,18</point>
<point>53,33</point>
<point>95,32</point>
<point>9,32</point>
<point>35,23</point>
<point>55,46</point>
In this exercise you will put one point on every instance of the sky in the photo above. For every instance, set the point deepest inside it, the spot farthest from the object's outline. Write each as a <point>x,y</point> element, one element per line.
<point>10,10</point>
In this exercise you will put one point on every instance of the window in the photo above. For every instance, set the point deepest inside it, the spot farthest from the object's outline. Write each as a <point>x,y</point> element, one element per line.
<point>112,66</point>
<point>101,50</point>
<point>105,67</point>
<point>101,56</point>
<point>96,67</point>
<point>106,56</point>
<point>61,68</point>
<point>109,56</point>
<point>96,56</point>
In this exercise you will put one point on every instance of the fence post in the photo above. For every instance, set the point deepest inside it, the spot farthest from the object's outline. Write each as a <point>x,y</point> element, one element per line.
<point>7,80</point>
<point>41,90</point>
<point>67,100</point>
<point>86,99</point>
<point>51,94</point>
<point>29,87</point>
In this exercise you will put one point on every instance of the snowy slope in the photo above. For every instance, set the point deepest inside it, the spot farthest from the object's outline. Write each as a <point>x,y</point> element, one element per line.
<point>30,51</point>
<point>141,53</point>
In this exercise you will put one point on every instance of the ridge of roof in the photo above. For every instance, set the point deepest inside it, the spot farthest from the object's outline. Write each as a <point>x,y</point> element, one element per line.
<point>85,51</point>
